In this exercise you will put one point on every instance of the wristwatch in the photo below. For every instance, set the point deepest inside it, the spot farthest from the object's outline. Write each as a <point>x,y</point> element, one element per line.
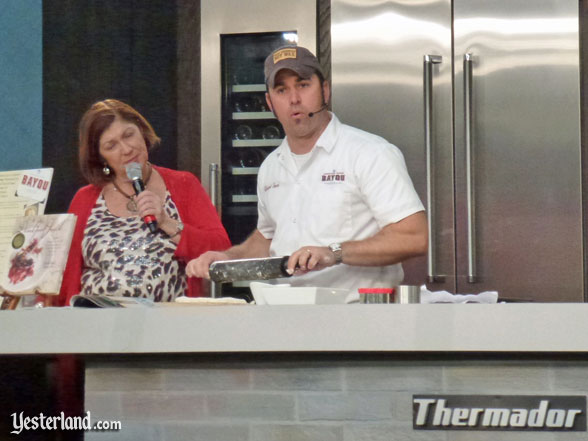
<point>179,229</point>
<point>337,251</point>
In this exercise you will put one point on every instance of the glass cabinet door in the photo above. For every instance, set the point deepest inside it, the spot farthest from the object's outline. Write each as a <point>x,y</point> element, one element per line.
<point>250,130</point>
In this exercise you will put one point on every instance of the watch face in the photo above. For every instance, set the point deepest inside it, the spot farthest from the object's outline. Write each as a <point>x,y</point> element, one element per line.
<point>337,251</point>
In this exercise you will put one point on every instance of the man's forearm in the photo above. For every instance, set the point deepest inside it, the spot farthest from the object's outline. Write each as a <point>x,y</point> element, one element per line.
<point>254,246</point>
<point>393,244</point>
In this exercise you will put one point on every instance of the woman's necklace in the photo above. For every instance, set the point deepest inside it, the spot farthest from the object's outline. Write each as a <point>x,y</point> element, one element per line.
<point>132,204</point>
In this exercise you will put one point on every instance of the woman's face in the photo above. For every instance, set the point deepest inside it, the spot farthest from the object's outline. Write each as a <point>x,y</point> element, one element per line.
<point>121,143</point>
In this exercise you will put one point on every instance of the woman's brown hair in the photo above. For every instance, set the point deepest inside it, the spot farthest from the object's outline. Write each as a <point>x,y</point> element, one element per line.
<point>94,122</point>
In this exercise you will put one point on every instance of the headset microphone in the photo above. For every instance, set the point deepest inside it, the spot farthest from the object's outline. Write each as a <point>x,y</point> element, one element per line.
<point>311,114</point>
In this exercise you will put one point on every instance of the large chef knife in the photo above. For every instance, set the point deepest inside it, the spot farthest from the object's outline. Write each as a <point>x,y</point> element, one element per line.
<point>266,268</point>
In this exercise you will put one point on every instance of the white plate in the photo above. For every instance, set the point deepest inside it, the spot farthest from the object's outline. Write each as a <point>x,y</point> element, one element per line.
<point>267,294</point>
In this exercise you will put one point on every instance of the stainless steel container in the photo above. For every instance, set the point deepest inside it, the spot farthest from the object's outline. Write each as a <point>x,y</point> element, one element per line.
<point>407,294</point>
<point>375,295</point>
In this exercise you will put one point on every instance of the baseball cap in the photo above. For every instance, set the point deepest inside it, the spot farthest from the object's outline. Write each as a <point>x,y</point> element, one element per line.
<point>296,58</point>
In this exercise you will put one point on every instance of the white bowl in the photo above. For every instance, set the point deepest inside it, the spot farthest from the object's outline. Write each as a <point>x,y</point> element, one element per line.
<point>256,290</point>
<point>267,294</point>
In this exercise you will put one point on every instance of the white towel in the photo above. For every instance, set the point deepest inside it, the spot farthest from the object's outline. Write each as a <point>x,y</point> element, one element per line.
<point>446,297</point>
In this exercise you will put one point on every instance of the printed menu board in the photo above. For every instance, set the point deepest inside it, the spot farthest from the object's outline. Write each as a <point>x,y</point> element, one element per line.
<point>22,193</point>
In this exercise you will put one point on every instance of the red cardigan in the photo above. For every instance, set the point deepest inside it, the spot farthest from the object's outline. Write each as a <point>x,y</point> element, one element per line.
<point>203,230</point>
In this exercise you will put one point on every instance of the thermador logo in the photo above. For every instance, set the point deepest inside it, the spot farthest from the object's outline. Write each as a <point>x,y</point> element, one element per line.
<point>499,412</point>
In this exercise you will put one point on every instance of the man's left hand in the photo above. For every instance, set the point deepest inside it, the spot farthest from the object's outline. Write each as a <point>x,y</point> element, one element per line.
<point>310,258</point>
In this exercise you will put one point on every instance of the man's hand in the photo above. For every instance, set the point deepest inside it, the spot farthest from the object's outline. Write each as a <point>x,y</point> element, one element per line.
<point>256,245</point>
<point>199,267</point>
<point>310,258</point>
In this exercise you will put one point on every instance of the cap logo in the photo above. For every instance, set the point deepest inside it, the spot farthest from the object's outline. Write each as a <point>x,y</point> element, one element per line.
<point>284,54</point>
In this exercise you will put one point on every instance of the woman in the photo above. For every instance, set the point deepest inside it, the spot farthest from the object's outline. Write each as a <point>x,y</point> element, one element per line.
<point>112,251</point>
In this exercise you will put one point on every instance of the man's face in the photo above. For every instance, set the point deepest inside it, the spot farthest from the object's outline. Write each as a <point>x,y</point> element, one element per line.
<point>292,98</point>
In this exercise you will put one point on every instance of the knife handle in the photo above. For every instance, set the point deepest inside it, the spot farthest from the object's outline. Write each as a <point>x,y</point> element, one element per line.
<point>284,266</point>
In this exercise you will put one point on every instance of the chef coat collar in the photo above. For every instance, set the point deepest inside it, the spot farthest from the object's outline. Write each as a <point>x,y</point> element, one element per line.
<point>326,141</point>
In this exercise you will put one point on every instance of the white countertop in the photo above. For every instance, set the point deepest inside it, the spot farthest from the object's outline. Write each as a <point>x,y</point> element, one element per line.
<point>548,327</point>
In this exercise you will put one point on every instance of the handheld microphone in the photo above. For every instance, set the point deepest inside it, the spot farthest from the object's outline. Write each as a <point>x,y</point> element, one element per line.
<point>324,106</point>
<point>135,174</point>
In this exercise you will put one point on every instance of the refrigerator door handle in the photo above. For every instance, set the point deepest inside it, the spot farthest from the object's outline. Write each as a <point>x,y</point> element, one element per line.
<point>213,180</point>
<point>470,193</point>
<point>428,61</point>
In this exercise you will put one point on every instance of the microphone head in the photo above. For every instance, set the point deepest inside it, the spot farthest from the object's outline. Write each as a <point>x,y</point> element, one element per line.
<point>134,171</point>
<point>323,107</point>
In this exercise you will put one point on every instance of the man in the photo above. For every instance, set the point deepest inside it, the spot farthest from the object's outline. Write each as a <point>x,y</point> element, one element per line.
<point>336,199</point>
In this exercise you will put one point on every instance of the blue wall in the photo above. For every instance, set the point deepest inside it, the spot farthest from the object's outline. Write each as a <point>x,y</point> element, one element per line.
<point>21,84</point>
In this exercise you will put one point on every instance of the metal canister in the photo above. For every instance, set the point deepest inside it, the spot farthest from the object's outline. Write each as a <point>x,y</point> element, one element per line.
<point>375,295</point>
<point>407,294</point>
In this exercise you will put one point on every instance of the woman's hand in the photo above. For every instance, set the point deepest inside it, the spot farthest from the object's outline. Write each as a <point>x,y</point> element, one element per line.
<point>149,203</point>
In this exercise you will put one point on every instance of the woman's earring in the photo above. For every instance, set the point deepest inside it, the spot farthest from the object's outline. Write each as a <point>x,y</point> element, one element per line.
<point>106,170</point>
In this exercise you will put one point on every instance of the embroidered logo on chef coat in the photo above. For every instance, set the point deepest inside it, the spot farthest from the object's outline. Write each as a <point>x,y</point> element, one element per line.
<point>333,177</point>
<point>269,187</point>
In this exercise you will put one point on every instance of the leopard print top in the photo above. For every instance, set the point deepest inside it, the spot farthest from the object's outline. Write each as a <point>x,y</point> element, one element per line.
<point>122,258</point>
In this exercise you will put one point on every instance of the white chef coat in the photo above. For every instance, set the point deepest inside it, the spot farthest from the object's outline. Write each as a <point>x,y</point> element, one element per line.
<point>354,184</point>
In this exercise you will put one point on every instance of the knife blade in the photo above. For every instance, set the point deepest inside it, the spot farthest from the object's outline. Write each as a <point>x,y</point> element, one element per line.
<point>223,271</point>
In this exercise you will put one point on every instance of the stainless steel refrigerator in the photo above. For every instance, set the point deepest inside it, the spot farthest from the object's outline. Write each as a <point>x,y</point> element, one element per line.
<point>483,99</point>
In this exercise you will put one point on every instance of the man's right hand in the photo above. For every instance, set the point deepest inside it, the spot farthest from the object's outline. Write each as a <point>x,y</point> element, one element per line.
<point>199,267</point>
